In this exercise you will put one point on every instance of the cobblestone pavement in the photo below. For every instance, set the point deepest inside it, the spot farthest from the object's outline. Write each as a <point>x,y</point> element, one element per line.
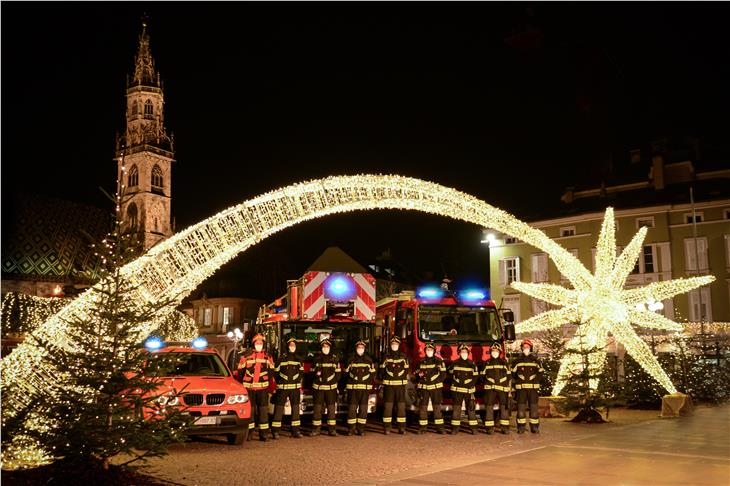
<point>372,459</point>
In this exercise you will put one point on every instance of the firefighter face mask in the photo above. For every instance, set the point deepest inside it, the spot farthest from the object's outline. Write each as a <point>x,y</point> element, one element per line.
<point>429,353</point>
<point>526,351</point>
<point>360,350</point>
<point>465,356</point>
<point>394,347</point>
<point>258,347</point>
<point>495,354</point>
<point>325,350</point>
<point>292,348</point>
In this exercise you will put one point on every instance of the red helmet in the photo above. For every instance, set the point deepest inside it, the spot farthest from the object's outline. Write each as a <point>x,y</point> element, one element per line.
<point>258,337</point>
<point>526,342</point>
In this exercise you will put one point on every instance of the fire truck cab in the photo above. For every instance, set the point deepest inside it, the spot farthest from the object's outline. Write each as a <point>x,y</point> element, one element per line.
<point>448,319</point>
<point>323,304</point>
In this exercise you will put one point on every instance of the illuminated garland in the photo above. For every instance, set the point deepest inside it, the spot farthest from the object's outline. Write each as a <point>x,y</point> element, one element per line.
<point>601,305</point>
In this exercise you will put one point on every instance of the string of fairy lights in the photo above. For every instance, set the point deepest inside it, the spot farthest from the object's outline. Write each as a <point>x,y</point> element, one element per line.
<point>174,268</point>
<point>601,306</point>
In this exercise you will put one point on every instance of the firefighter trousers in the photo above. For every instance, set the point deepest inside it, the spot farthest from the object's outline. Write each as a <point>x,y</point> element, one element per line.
<point>492,398</point>
<point>394,394</point>
<point>259,408</point>
<point>280,402</point>
<point>435,397</point>
<point>324,398</point>
<point>357,408</point>
<point>527,397</point>
<point>468,399</point>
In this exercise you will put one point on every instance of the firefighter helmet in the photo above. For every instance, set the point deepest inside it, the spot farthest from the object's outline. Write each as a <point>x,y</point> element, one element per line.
<point>258,337</point>
<point>497,346</point>
<point>430,346</point>
<point>360,343</point>
<point>325,342</point>
<point>463,347</point>
<point>526,342</point>
<point>291,340</point>
<point>395,339</point>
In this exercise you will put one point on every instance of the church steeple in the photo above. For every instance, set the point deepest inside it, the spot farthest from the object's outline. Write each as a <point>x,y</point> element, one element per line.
<point>144,65</point>
<point>145,152</point>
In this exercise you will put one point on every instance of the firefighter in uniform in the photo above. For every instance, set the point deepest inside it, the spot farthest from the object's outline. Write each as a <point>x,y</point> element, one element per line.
<point>255,368</point>
<point>326,369</point>
<point>394,374</point>
<point>526,373</point>
<point>431,374</point>
<point>289,371</point>
<point>360,371</point>
<point>464,375</point>
<point>496,373</point>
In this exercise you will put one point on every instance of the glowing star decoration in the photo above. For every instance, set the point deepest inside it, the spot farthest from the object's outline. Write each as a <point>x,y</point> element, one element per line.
<point>601,306</point>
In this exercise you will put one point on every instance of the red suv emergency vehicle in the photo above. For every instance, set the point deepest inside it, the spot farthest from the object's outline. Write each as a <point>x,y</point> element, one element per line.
<point>202,381</point>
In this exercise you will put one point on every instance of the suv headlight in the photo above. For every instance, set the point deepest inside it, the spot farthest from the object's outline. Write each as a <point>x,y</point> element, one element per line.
<point>237,399</point>
<point>166,400</point>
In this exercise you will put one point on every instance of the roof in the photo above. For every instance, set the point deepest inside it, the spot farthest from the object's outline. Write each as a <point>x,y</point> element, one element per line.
<point>335,260</point>
<point>43,237</point>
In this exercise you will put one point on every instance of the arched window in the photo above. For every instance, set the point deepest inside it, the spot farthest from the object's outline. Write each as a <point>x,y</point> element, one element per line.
<point>157,184</point>
<point>148,111</point>
<point>132,216</point>
<point>133,178</point>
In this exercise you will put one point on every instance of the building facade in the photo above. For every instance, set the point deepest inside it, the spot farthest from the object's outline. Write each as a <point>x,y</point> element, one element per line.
<point>144,154</point>
<point>683,240</point>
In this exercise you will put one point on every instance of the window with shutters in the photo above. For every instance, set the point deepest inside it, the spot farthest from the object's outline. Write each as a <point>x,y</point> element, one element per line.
<point>645,222</point>
<point>700,304</point>
<point>695,254</point>
<point>512,302</point>
<point>208,319</point>
<point>539,267</point>
<point>699,217</point>
<point>509,270</point>
<point>647,262</point>
<point>567,231</point>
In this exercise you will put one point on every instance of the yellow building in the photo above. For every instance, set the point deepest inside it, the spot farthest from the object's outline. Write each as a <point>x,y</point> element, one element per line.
<point>672,249</point>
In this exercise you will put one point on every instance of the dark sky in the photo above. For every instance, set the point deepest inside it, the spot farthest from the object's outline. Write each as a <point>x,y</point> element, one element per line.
<point>509,102</point>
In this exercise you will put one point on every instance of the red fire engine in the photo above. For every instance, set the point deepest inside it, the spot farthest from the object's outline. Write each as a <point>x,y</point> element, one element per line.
<point>336,305</point>
<point>448,319</point>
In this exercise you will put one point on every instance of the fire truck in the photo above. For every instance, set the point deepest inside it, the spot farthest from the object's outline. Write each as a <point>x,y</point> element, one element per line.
<point>448,319</point>
<point>323,304</point>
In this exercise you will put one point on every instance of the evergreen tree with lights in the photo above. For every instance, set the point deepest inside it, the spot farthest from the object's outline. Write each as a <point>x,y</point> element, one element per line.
<point>106,402</point>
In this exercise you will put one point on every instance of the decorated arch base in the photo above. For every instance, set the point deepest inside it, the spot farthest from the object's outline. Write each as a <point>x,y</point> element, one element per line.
<point>175,267</point>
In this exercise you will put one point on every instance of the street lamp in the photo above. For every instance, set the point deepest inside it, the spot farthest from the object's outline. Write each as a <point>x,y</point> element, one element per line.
<point>236,335</point>
<point>488,240</point>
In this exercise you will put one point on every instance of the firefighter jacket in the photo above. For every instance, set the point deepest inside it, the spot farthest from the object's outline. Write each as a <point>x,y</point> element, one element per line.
<point>289,372</point>
<point>394,369</point>
<point>360,371</point>
<point>255,368</point>
<point>496,373</point>
<point>431,373</point>
<point>328,367</point>
<point>464,375</point>
<point>526,372</point>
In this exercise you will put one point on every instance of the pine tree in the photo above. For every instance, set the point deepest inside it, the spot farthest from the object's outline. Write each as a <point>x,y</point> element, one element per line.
<point>106,401</point>
<point>553,344</point>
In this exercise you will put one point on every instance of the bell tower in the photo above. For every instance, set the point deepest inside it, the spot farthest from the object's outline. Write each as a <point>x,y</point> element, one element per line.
<point>145,153</point>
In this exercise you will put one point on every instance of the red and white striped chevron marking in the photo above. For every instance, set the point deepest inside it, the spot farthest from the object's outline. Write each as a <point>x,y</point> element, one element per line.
<point>365,300</point>
<point>313,301</point>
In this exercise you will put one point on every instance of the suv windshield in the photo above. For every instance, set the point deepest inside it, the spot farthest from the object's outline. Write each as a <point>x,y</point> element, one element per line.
<point>342,336</point>
<point>191,364</point>
<point>458,323</point>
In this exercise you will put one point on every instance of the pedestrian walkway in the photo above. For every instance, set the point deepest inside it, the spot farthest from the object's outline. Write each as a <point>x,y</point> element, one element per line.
<point>686,451</point>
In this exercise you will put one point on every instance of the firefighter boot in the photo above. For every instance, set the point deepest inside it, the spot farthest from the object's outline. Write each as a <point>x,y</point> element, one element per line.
<point>455,429</point>
<point>296,434</point>
<point>520,428</point>
<point>535,429</point>
<point>262,436</point>
<point>360,430</point>
<point>504,429</point>
<point>472,430</point>
<point>402,429</point>
<point>386,429</point>
<point>314,432</point>
<point>490,430</point>
<point>440,430</point>
<point>351,431</point>
<point>422,429</point>
<point>274,434</point>
<point>332,431</point>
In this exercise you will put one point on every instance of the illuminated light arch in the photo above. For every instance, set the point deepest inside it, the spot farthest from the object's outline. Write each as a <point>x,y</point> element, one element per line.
<point>175,267</point>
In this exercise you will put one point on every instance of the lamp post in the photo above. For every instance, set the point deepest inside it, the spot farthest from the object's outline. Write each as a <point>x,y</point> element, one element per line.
<point>236,335</point>
<point>488,240</point>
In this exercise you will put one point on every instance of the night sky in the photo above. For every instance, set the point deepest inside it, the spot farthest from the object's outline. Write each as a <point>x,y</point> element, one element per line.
<point>511,103</point>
